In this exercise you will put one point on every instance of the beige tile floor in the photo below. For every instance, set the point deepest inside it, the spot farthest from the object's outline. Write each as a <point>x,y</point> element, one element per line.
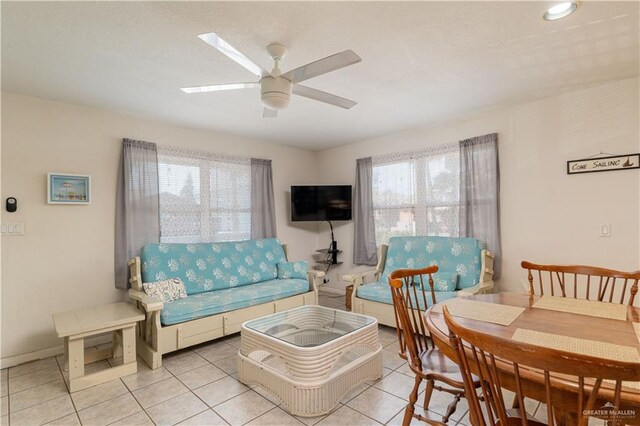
<point>199,386</point>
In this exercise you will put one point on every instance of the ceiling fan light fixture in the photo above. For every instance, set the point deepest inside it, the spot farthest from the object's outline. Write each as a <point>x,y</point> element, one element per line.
<point>276,88</point>
<point>275,92</point>
<point>276,100</point>
<point>560,10</point>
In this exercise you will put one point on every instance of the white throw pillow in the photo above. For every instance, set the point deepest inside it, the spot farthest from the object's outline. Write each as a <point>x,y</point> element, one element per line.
<point>166,290</point>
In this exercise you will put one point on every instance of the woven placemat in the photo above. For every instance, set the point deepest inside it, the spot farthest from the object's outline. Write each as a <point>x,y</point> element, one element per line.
<point>480,311</point>
<point>630,385</point>
<point>578,346</point>
<point>583,307</point>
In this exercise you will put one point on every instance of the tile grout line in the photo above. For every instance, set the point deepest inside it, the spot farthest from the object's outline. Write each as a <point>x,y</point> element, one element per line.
<point>75,411</point>
<point>25,408</point>
<point>192,390</point>
<point>195,394</point>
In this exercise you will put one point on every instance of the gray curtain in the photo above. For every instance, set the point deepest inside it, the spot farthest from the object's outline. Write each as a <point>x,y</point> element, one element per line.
<point>263,210</point>
<point>364,252</point>
<point>137,204</point>
<point>480,193</point>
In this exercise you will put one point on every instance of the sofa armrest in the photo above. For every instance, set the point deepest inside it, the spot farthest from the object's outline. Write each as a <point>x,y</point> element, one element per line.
<point>135,271</point>
<point>316,278</point>
<point>358,278</point>
<point>480,288</point>
<point>150,304</point>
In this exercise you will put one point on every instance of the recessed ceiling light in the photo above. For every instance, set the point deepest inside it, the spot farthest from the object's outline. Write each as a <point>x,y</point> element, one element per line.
<point>560,10</point>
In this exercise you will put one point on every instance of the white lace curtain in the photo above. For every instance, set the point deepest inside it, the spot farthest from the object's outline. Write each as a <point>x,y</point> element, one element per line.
<point>417,193</point>
<point>203,196</point>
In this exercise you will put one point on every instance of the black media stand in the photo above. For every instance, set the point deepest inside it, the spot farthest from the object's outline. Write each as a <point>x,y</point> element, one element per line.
<point>334,255</point>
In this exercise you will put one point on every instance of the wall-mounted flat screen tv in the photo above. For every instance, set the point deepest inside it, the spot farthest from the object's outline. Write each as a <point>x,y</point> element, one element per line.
<point>320,203</point>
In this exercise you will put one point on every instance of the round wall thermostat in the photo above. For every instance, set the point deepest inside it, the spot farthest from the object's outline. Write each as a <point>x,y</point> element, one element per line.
<point>12,204</point>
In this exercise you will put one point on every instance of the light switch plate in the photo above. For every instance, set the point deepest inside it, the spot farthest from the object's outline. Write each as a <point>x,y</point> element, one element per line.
<point>12,229</point>
<point>605,230</point>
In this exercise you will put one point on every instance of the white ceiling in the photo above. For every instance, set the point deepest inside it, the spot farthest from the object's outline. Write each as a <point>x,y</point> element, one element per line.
<point>423,62</point>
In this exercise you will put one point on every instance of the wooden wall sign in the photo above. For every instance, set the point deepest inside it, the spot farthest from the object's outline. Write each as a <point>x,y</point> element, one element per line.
<point>604,164</point>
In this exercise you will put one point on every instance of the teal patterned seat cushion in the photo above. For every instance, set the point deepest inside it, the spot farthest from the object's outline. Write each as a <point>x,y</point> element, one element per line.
<point>215,302</point>
<point>461,255</point>
<point>204,267</point>
<point>381,292</point>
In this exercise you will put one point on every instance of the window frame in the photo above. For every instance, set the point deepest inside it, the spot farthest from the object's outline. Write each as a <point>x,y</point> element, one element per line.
<point>421,200</point>
<point>206,163</point>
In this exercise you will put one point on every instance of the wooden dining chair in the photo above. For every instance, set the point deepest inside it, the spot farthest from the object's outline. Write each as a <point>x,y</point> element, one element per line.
<point>497,360</point>
<point>408,289</point>
<point>582,282</point>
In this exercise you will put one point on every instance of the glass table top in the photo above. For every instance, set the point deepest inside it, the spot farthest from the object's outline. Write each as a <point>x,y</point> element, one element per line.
<point>309,326</point>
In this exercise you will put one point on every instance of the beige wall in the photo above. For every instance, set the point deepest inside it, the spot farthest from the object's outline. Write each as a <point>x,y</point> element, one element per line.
<point>546,215</point>
<point>65,259</point>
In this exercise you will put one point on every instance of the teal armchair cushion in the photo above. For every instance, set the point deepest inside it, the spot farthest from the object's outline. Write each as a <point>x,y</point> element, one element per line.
<point>381,292</point>
<point>451,254</point>
<point>293,270</point>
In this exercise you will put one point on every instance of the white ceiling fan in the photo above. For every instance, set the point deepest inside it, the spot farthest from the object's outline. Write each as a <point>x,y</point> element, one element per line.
<point>275,87</point>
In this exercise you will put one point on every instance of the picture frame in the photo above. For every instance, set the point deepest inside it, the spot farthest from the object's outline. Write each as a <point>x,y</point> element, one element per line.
<point>604,164</point>
<point>70,189</point>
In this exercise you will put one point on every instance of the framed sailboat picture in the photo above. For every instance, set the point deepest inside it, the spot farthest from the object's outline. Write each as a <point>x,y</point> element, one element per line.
<point>604,164</point>
<point>68,189</point>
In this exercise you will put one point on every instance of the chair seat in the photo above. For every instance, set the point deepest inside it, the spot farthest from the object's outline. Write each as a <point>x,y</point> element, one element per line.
<point>439,367</point>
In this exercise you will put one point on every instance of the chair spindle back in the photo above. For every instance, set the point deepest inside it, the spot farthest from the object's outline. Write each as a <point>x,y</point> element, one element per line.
<point>409,304</point>
<point>583,282</point>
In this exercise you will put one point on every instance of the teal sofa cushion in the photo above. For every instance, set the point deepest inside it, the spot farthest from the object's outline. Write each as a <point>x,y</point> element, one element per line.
<point>293,270</point>
<point>381,292</point>
<point>215,302</point>
<point>460,255</point>
<point>204,267</point>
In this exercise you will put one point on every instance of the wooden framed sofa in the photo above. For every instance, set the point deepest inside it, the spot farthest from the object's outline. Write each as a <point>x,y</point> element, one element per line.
<point>226,283</point>
<point>465,268</point>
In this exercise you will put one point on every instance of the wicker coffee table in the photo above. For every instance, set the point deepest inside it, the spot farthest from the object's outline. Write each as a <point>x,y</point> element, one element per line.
<point>310,357</point>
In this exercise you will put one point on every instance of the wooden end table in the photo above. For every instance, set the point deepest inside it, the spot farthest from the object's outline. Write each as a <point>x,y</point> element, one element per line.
<point>75,326</point>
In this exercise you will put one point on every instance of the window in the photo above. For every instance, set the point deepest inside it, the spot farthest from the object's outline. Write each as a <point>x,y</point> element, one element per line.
<point>416,194</point>
<point>203,196</point>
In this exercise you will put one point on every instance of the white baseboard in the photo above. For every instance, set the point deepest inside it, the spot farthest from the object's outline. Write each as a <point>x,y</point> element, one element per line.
<point>12,361</point>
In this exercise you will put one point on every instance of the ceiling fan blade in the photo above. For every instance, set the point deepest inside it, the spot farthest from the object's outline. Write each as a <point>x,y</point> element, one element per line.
<point>269,113</point>
<point>319,95</point>
<point>218,87</point>
<point>322,66</point>
<point>225,48</point>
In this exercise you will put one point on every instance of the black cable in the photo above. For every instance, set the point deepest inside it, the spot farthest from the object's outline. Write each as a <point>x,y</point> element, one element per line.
<point>329,258</point>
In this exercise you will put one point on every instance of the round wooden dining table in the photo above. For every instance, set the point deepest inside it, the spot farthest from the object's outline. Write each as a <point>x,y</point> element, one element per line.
<point>554,322</point>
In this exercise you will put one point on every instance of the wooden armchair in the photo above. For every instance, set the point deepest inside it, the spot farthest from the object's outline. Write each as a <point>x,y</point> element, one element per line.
<point>497,361</point>
<point>582,282</point>
<point>408,288</point>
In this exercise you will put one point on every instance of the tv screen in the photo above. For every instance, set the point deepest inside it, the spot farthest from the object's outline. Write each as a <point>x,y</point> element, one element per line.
<point>320,202</point>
